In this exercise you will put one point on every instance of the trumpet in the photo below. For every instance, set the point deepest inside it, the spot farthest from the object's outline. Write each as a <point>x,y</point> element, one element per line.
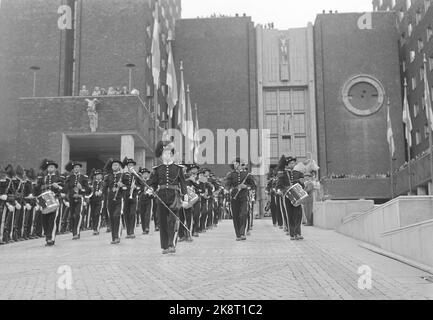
<point>239,190</point>
<point>133,187</point>
<point>117,187</point>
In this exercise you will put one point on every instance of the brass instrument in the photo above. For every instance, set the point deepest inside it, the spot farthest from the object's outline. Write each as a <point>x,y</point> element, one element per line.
<point>117,186</point>
<point>133,187</point>
<point>239,190</point>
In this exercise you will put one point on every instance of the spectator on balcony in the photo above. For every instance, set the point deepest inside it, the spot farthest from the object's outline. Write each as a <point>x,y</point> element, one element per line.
<point>117,91</point>
<point>96,92</point>
<point>111,91</point>
<point>103,92</point>
<point>84,92</point>
<point>135,92</point>
<point>124,91</point>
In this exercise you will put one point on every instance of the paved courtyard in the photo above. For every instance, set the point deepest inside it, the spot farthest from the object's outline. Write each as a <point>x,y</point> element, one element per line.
<point>214,266</point>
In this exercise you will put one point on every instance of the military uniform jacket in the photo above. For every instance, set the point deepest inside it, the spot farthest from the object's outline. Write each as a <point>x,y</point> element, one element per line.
<point>71,183</point>
<point>167,179</point>
<point>7,188</point>
<point>128,180</point>
<point>110,185</point>
<point>271,186</point>
<point>45,181</point>
<point>287,179</point>
<point>23,189</point>
<point>142,192</point>
<point>234,179</point>
<point>97,186</point>
<point>206,190</point>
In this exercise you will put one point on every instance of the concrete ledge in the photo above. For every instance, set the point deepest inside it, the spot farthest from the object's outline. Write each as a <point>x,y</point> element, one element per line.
<point>397,257</point>
<point>330,214</point>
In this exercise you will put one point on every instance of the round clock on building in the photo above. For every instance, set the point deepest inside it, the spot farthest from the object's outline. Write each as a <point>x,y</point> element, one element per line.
<point>363,95</point>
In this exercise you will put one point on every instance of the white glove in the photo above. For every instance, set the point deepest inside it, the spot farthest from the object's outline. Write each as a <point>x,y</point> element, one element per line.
<point>28,207</point>
<point>67,204</point>
<point>11,208</point>
<point>18,206</point>
<point>3,197</point>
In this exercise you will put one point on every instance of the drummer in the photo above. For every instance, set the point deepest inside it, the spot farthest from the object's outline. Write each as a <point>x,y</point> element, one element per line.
<point>288,177</point>
<point>49,181</point>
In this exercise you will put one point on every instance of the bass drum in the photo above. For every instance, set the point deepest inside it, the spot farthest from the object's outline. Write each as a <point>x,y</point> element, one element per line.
<point>48,202</point>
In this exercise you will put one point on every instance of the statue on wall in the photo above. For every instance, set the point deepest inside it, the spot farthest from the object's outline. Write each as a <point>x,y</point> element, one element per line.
<point>284,59</point>
<point>92,113</point>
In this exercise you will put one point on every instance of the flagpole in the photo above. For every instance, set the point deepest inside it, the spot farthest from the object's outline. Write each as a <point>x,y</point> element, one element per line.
<point>391,174</point>
<point>428,106</point>
<point>408,145</point>
<point>195,132</point>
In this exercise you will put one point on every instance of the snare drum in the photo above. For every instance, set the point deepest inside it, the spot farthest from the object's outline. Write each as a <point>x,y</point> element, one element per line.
<point>48,202</point>
<point>296,195</point>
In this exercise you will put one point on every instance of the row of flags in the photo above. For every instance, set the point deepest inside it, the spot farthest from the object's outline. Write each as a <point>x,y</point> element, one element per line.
<point>406,114</point>
<point>181,98</point>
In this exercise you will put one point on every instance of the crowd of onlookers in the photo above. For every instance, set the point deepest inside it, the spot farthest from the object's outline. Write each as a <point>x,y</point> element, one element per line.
<point>112,91</point>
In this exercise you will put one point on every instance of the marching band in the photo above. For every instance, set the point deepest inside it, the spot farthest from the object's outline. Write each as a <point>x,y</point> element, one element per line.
<point>183,200</point>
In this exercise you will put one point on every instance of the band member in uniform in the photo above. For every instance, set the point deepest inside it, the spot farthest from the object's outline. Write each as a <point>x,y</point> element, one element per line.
<point>169,184</point>
<point>96,201</point>
<point>114,190</point>
<point>50,180</point>
<point>18,183</point>
<point>287,177</point>
<point>77,187</point>
<point>37,229</point>
<point>65,212</point>
<point>5,202</point>
<point>186,215</point>
<point>206,190</point>
<point>10,204</point>
<point>271,190</point>
<point>130,198</point>
<point>146,203</point>
<point>29,203</point>
<point>239,182</point>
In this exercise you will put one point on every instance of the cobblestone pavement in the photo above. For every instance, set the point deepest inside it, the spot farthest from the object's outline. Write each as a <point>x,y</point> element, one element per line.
<point>215,266</point>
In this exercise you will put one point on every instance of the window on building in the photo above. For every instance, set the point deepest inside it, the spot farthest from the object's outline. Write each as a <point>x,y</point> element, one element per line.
<point>271,123</point>
<point>418,16</point>
<point>415,110</point>
<point>285,100</point>
<point>420,45</point>
<point>299,123</point>
<point>299,100</point>
<point>427,4</point>
<point>412,56</point>
<point>274,148</point>
<point>417,137</point>
<point>401,14</point>
<point>286,145</point>
<point>300,147</point>
<point>270,100</point>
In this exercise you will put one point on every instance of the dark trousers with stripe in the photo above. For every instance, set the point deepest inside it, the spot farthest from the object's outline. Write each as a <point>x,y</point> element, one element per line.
<point>167,219</point>
<point>283,201</point>
<point>185,218</point>
<point>95,212</point>
<point>196,219</point>
<point>28,221</point>
<point>145,209</point>
<point>49,225</point>
<point>17,224</point>
<point>129,213</point>
<point>115,212</point>
<point>210,214</point>
<point>76,210</point>
<point>274,210</point>
<point>295,218</point>
<point>240,213</point>
<point>204,212</point>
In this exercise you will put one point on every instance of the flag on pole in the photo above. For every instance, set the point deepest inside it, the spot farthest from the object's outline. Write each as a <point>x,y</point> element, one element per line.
<point>390,134</point>
<point>189,120</point>
<point>196,136</point>
<point>428,102</point>
<point>407,118</point>
<point>172,96</point>
<point>181,113</point>
<point>156,53</point>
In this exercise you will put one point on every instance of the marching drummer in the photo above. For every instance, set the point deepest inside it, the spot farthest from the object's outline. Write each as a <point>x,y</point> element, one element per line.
<point>288,177</point>
<point>50,182</point>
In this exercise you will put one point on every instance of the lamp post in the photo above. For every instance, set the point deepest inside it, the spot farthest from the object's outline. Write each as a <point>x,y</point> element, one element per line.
<point>34,69</point>
<point>130,66</point>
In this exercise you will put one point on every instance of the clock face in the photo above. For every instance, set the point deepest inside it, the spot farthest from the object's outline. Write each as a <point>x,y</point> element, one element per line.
<point>363,95</point>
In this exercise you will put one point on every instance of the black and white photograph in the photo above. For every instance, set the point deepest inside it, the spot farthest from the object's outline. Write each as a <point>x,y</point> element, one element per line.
<point>216,155</point>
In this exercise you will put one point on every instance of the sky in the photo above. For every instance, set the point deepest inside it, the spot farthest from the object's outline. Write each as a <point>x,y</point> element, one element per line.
<point>284,14</point>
